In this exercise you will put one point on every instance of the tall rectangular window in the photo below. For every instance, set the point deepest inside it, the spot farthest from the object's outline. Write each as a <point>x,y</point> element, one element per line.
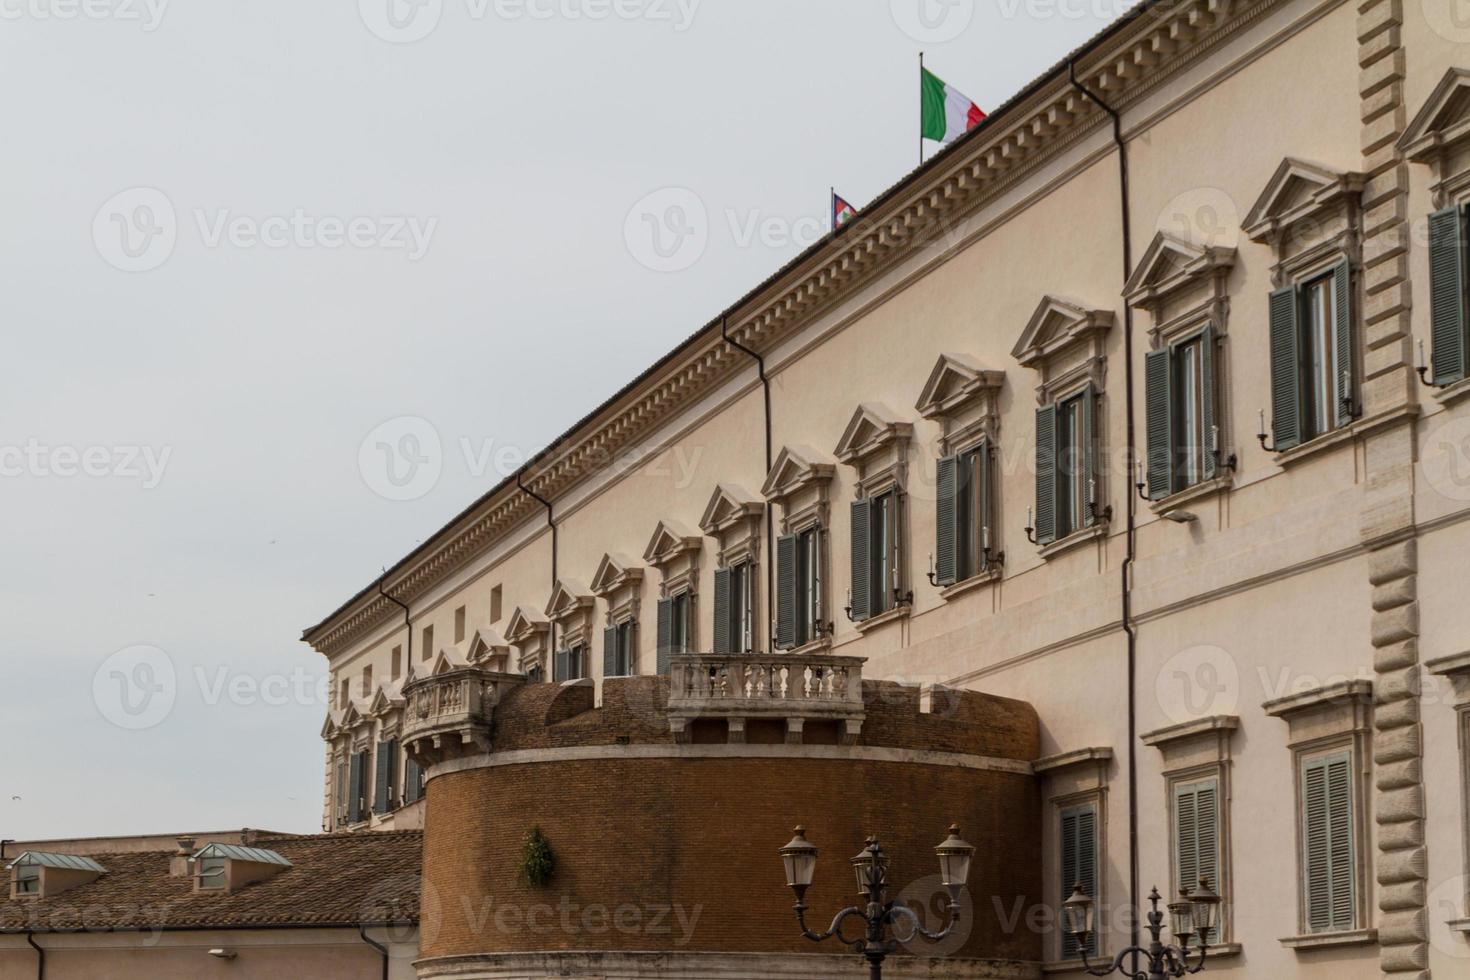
<point>428,652</point>
<point>496,604</point>
<point>397,663</point>
<point>1329,874</point>
<point>1078,850</point>
<point>1197,834</point>
<point>341,793</point>
<point>28,880</point>
<point>679,624</point>
<point>1072,476</point>
<point>1320,360</point>
<point>808,585</point>
<point>1193,440</point>
<point>1179,399</point>
<point>459,624</point>
<point>367,681</point>
<point>741,618</point>
<point>572,664</point>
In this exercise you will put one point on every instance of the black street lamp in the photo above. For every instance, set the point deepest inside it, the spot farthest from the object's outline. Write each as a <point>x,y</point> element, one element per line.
<point>1197,913</point>
<point>878,915</point>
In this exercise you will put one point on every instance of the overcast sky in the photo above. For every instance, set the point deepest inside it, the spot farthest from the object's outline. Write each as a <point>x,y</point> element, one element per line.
<point>242,236</point>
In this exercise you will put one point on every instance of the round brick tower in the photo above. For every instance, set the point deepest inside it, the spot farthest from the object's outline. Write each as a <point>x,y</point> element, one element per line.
<point>662,811</point>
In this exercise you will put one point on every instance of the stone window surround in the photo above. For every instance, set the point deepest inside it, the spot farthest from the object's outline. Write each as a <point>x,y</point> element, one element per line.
<point>619,584</point>
<point>1205,271</point>
<point>675,552</point>
<point>1191,752</point>
<point>1456,671</point>
<point>1333,717</point>
<point>800,482</point>
<point>1434,138</point>
<point>734,518</point>
<point>877,447</point>
<point>528,633</point>
<point>968,415</point>
<point>1076,330</point>
<point>1072,779</point>
<point>1338,196</point>
<point>571,610</point>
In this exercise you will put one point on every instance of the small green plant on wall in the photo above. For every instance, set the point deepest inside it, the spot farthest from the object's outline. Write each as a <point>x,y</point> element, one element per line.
<point>536,860</point>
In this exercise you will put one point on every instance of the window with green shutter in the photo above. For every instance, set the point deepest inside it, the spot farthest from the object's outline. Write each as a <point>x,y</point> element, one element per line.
<point>786,592</point>
<point>1313,367</point>
<point>413,782</point>
<point>619,651</point>
<point>1329,876</point>
<point>962,516</point>
<point>1449,342</point>
<point>860,592</point>
<point>383,785</point>
<point>1197,834</point>
<point>1179,402</point>
<point>356,791</point>
<point>1079,866</point>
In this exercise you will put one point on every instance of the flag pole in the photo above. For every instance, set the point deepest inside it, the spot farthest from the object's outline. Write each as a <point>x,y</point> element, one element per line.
<point>921,108</point>
<point>832,206</point>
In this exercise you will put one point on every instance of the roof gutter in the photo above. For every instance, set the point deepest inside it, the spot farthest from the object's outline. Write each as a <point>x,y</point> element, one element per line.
<point>1129,628</point>
<point>41,957</point>
<point>362,931</point>
<point>760,366</point>
<point>555,544</point>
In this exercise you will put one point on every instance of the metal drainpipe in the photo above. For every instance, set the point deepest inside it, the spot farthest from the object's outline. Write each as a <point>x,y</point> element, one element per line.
<point>362,931</point>
<point>41,957</point>
<point>551,523</point>
<point>407,621</point>
<point>1127,578</point>
<point>760,364</point>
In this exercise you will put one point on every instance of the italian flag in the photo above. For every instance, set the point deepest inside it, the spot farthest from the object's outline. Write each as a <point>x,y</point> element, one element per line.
<point>948,114</point>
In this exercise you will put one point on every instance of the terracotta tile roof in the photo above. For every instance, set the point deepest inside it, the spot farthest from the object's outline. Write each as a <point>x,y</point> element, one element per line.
<point>335,880</point>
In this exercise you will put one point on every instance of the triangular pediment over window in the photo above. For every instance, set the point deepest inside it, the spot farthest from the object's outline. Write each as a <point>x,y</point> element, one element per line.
<point>956,380</point>
<point>351,718</point>
<point>1171,263</point>
<point>1056,325</point>
<point>871,428</point>
<point>486,645</point>
<point>614,572</point>
<point>795,467</point>
<point>567,598</point>
<point>448,659</point>
<point>1297,191</point>
<point>388,697</point>
<point>727,506</point>
<point>670,540</point>
<point>526,623</point>
<point>1444,119</point>
<point>331,726</point>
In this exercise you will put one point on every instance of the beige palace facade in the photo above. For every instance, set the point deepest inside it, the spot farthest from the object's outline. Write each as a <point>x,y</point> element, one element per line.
<point>1150,454</point>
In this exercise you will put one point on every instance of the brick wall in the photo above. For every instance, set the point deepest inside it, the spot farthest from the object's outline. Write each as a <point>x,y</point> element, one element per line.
<point>679,854</point>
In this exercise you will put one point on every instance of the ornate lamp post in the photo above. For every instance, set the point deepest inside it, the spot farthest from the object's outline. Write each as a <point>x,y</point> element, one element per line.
<point>880,917</point>
<point>1196,914</point>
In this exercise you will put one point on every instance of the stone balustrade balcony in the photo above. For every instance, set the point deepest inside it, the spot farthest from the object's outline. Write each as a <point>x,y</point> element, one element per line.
<point>739,688</point>
<point>448,714</point>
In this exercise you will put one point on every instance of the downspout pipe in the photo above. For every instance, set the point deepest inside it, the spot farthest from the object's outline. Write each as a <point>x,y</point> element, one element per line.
<point>407,620</point>
<point>1129,628</point>
<point>362,931</point>
<point>41,957</point>
<point>760,366</point>
<point>555,546</point>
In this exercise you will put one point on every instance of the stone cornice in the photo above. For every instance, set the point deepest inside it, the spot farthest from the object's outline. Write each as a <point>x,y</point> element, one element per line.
<point>1128,61</point>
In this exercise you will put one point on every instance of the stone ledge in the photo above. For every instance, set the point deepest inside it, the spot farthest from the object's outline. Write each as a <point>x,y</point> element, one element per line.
<point>884,618</point>
<point>1343,692</point>
<point>1073,540</point>
<point>720,966</point>
<point>1189,495</point>
<point>1331,940</point>
<point>1177,733</point>
<point>951,592</point>
<point>1066,760</point>
<point>1454,664</point>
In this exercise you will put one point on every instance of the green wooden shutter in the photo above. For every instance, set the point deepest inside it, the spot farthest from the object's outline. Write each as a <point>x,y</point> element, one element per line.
<point>1197,834</point>
<point>946,521</point>
<point>1342,340</point>
<point>354,790</point>
<point>1286,379</point>
<point>1079,866</point>
<point>560,666</point>
<point>383,784</point>
<point>1209,411</point>
<point>1046,476</point>
<point>413,782</point>
<point>723,614</point>
<point>664,636</point>
<point>1327,838</point>
<point>862,570</point>
<point>1091,475</point>
<point>1447,295</point>
<point>1158,410</point>
<point>786,592</point>
<point>984,503</point>
<point>610,652</point>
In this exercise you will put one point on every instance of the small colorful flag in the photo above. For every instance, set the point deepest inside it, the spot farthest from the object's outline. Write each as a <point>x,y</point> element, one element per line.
<point>842,212</point>
<point>948,114</point>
